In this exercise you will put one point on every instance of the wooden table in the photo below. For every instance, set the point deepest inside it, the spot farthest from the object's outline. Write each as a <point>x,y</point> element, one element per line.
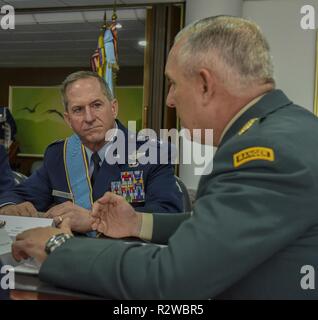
<point>30,287</point>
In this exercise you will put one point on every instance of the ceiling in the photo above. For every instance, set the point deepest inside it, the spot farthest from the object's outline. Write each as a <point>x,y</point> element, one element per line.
<point>67,38</point>
<point>54,33</point>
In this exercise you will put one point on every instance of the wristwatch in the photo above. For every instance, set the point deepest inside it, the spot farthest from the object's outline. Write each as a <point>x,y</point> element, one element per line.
<point>55,241</point>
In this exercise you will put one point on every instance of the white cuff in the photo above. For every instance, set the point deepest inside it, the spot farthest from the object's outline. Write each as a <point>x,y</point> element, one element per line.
<point>6,203</point>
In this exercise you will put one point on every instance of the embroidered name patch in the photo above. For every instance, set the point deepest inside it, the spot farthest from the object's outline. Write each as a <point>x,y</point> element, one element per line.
<point>251,154</point>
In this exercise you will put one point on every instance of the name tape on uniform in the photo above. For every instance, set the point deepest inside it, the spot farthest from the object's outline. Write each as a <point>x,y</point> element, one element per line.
<point>61,194</point>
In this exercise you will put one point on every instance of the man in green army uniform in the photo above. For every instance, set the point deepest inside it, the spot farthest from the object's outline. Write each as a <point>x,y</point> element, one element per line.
<point>254,224</point>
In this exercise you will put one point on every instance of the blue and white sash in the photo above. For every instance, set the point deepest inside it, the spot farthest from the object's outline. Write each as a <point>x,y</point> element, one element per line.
<point>77,175</point>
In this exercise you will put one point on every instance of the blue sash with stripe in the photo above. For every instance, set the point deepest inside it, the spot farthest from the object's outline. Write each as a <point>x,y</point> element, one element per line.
<point>77,175</point>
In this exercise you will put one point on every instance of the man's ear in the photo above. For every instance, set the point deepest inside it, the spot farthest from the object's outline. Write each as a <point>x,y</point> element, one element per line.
<point>207,85</point>
<point>114,105</point>
<point>67,118</point>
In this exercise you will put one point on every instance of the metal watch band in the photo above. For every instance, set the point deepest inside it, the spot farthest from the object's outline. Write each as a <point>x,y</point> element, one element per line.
<point>56,241</point>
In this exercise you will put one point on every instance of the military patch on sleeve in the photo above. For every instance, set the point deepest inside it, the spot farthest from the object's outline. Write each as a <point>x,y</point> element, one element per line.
<point>251,154</point>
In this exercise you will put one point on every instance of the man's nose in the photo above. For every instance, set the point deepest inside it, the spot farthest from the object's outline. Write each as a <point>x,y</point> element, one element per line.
<point>89,114</point>
<point>169,100</point>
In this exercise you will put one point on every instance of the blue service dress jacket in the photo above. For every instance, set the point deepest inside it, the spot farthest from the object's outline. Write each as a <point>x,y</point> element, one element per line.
<point>48,186</point>
<point>6,177</point>
<point>254,224</point>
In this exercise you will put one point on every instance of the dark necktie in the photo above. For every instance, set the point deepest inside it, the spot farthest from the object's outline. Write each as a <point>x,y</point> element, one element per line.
<point>96,160</point>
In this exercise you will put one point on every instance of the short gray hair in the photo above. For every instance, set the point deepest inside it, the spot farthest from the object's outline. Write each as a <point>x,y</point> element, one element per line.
<point>84,75</point>
<point>233,47</point>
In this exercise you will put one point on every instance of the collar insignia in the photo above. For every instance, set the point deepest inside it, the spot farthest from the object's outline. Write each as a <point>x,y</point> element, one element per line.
<point>247,126</point>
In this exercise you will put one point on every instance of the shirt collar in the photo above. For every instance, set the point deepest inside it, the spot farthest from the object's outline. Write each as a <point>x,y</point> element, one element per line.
<point>244,109</point>
<point>101,152</point>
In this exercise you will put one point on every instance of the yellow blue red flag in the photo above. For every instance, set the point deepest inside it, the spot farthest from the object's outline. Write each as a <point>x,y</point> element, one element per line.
<point>104,61</point>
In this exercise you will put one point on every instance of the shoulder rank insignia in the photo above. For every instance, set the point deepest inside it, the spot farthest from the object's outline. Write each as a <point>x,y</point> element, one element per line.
<point>251,154</point>
<point>247,126</point>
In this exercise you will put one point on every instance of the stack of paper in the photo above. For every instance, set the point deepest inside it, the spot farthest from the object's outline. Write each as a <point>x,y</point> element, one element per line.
<point>13,226</point>
<point>5,242</point>
<point>16,224</point>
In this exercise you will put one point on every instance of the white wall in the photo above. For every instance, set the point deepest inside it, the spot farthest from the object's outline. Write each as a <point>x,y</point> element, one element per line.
<point>198,9</point>
<point>293,48</point>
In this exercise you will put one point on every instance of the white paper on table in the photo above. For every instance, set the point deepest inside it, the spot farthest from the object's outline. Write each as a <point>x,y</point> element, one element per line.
<point>29,266</point>
<point>5,242</point>
<point>17,224</point>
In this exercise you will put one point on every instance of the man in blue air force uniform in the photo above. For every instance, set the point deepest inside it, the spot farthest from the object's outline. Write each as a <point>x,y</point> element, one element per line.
<point>75,173</point>
<point>6,178</point>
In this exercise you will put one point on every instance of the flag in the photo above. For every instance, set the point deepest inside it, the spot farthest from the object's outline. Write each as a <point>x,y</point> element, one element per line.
<point>104,60</point>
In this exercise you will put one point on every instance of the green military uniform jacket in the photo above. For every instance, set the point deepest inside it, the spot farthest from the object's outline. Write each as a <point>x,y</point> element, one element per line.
<point>254,223</point>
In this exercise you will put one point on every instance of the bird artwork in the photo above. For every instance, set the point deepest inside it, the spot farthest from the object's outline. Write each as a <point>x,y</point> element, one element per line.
<point>50,111</point>
<point>31,110</point>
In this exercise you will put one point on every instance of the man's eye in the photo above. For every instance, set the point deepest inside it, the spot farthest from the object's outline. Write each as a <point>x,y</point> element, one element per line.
<point>97,105</point>
<point>77,110</point>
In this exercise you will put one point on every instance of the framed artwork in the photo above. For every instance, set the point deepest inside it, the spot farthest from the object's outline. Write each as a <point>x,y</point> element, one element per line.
<point>38,112</point>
